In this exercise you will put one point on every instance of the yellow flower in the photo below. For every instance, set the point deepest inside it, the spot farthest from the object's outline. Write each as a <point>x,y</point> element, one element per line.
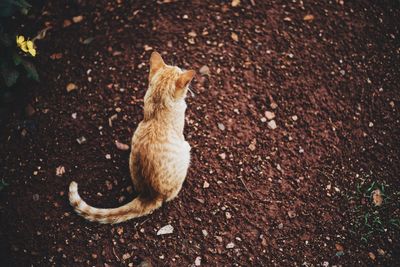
<point>26,46</point>
<point>31,48</point>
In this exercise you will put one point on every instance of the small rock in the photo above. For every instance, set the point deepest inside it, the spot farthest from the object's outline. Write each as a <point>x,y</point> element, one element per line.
<point>377,197</point>
<point>280,226</point>
<point>109,185</point>
<point>269,115</point>
<point>381,252</point>
<point>74,115</point>
<point>272,125</point>
<point>192,34</point>
<point>228,215</point>
<point>325,264</point>
<point>120,230</point>
<point>71,86</point>
<point>234,37</point>
<point>35,197</point>
<point>204,232</point>
<point>219,239</point>
<point>145,263</point>
<point>221,126</point>
<point>126,256</point>
<point>339,247</point>
<point>108,156</point>
<point>147,48</point>
<point>121,146</point>
<point>235,3</point>
<point>66,23</point>
<point>60,170</point>
<point>273,105</point>
<point>81,140</point>
<point>77,19</point>
<point>165,230</point>
<point>222,155</point>
<point>372,256</point>
<point>205,70</point>
<point>291,214</point>
<point>94,256</point>
<point>197,261</point>
<point>230,245</point>
<point>308,17</point>
<point>294,118</point>
<point>252,145</point>
<point>206,184</point>
<point>121,199</point>
<point>371,124</point>
<point>391,103</point>
<point>263,119</point>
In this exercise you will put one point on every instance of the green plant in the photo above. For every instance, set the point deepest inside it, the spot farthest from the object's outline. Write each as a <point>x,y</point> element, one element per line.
<point>14,50</point>
<point>375,212</point>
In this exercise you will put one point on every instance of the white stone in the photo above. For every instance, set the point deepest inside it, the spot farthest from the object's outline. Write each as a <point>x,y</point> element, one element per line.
<point>165,230</point>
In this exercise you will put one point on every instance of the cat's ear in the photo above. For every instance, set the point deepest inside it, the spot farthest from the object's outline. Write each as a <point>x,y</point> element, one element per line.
<point>183,81</point>
<point>156,63</point>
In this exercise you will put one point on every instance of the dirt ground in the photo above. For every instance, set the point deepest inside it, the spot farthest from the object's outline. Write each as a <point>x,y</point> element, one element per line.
<point>298,194</point>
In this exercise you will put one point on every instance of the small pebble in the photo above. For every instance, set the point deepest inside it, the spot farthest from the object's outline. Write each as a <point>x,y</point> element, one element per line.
<point>371,124</point>
<point>165,230</point>
<point>81,140</point>
<point>272,125</point>
<point>35,197</point>
<point>222,155</point>
<point>206,184</point>
<point>205,70</point>
<point>263,119</point>
<point>108,156</point>
<point>294,118</point>
<point>221,126</point>
<point>197,261</point>
<point>230,245</point>
<point>204,232</point>
<point>269,115</point>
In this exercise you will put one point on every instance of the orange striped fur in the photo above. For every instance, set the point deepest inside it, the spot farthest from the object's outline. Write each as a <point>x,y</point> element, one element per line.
<point>160,156</point>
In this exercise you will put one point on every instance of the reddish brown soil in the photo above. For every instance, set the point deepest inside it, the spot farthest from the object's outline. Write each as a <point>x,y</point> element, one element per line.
<point>284,197</point>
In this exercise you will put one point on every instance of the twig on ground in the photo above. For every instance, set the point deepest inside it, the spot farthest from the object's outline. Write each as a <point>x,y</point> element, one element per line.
<point>245,186</point>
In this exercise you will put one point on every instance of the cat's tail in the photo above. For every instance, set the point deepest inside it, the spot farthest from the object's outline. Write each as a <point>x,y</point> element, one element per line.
<point>136,208</point>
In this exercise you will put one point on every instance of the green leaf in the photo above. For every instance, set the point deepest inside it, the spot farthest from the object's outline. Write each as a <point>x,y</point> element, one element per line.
<point>10,75</point>
<point>30,70</point>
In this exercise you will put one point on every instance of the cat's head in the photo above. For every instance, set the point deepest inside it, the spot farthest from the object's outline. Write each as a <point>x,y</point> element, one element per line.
<point>167,84</point>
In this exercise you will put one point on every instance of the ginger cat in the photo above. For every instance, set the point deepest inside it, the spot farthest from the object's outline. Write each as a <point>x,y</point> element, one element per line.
<point>160,156</point>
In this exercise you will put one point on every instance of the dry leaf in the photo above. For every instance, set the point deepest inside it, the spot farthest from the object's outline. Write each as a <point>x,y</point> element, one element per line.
<point>71,87</point>
<point>121,146</point>
<point>308,17</point>
<point>42,33</point>
<point>234,37</point>
<point>60,170</point>
<point>235,3</point>
<point>377,197</point>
